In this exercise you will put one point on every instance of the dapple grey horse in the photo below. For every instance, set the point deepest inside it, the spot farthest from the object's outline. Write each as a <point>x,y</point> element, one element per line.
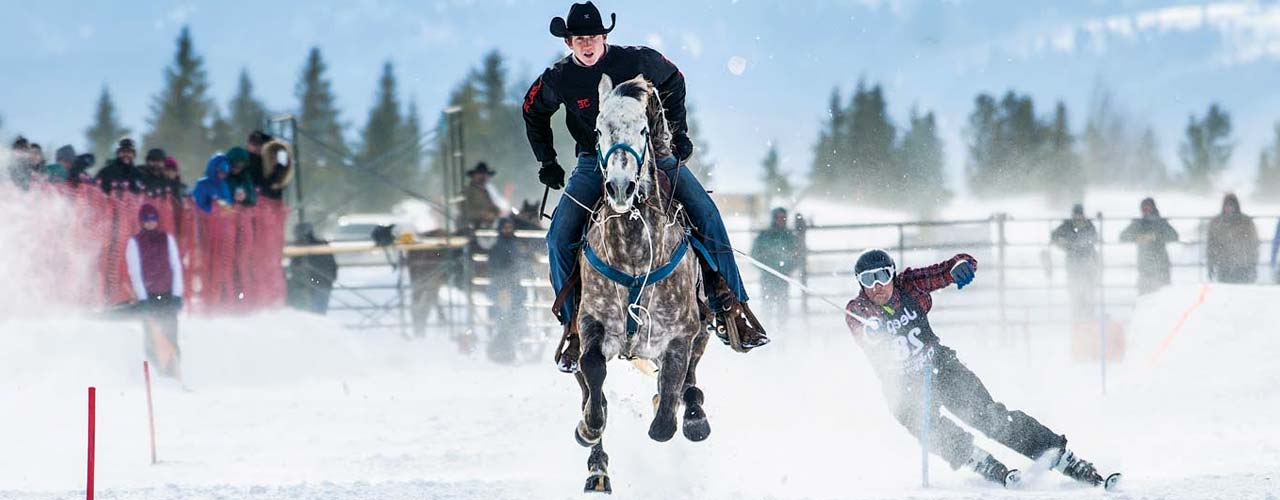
<point>640,277</point>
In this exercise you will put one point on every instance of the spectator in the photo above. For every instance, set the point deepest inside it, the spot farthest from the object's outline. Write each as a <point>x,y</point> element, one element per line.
<point>155,270</point>
<point>240,181</point>
<point>65,159</point>
<point>311,277</point>
<point>779,248</point>
<point>478,207</point>
<point>35,157</point>
<point>173,177</point>
<point>1275,246</point>
<point>151,175</point>
<point>212,188</point>
<point>1079,240</point>
<point>19,170</point>
<point>508,264</point>
<point>1232,250</point>
<point>1151,232</point>
<point>271,181</point>
<point>120,172</point>
<point>79,172</point>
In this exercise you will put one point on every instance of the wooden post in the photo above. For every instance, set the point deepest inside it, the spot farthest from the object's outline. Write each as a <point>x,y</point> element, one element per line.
<point>88,490</point>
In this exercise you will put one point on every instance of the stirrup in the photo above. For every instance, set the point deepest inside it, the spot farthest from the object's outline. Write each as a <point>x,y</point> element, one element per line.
<point>568,364</point>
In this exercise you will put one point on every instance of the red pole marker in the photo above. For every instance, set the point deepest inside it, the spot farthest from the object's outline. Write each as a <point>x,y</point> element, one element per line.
<point>88,492</point>
<point>151,419</point>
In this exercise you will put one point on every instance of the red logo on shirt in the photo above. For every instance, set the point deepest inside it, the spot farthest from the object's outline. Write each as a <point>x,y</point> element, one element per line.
<point>584,103</point>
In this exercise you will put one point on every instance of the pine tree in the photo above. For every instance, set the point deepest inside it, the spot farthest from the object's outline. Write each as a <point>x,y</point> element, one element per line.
<point>247,112</point>
<point>221,132</point>
<point>179,112</point>
<point>381,161</point>
<point>1063,176</point>
<point>825,170</point>
<point>1205,150</point>
<point>1268,180</point>
<point>1147,165</point>
<point>319,124</point>
<point>414,148</point>
<point>871,144</point>
<point>323,150</point>
<point>983,133</point>
<point>775,180</point>
<point>922,163</point>
<point>106,129</point>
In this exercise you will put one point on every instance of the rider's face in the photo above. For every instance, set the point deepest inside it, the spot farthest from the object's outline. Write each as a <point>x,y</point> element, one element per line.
<point>880,293</point>
<point>587,49</point>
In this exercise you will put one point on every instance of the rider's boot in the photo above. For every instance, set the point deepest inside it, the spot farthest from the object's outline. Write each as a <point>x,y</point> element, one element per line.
<point>568,352</point>
<point>736,325</point>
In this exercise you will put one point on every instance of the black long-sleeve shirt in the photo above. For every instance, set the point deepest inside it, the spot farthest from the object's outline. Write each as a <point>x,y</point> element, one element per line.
<point>576,87</point>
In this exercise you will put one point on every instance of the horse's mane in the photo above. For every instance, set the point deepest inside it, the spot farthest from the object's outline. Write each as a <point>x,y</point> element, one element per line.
<point>643,90</point>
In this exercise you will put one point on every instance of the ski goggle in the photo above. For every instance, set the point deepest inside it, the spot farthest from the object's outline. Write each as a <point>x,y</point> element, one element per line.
<point>872,277</point>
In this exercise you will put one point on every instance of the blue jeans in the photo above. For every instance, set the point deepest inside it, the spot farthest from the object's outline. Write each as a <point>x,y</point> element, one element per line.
<point>586,184</point>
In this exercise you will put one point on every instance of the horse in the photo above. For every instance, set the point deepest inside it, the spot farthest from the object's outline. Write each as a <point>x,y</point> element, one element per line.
<point>639,277</point>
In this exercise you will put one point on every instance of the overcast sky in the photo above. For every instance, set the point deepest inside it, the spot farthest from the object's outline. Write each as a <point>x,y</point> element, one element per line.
<point>1164,60</point>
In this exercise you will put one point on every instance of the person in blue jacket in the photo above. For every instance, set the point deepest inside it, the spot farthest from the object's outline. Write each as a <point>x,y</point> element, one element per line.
<point>213,188</point>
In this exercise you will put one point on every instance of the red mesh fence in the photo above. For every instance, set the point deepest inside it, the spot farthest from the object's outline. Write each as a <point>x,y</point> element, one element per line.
<point>231,257</point>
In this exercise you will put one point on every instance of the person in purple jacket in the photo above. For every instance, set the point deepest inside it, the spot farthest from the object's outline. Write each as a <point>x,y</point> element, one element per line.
<point>155,271</point>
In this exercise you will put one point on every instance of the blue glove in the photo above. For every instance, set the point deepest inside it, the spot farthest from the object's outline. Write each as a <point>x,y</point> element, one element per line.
<point>962,274</point>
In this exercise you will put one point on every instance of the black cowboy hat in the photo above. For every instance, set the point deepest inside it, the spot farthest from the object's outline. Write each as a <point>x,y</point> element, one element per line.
<point>583,20</point>
<point>481,168</point>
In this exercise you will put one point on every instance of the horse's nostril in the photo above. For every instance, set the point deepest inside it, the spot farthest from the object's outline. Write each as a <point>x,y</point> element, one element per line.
<point>608,188</point>
<point>631,188</point>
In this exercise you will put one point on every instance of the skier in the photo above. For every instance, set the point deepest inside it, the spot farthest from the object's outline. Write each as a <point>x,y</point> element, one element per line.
<point>573,82</point>
<point>155,270</point>
<point>903,349</point>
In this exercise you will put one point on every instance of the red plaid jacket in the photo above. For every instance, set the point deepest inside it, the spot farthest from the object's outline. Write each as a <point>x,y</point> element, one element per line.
<point>917,282</point>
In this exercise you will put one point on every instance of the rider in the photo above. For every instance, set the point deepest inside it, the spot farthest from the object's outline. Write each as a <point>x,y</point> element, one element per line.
<point>573,82</point>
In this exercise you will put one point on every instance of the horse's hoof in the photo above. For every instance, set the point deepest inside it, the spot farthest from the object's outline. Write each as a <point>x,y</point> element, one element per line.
<point>662,429</point>
<point>598,483</point>
<point>696,427</point>
<point>584,436</point>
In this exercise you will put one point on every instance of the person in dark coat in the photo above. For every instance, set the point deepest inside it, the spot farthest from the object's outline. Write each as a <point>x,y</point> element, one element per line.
<point>508,264</point>
<point>79,172</point>
<point>240,181</point>
<point>151,173</point>
<point>478,207</point>
<point>777,247</point>
<point>267,179</point>
<point>1079,240</point>
<point>1151,232</point>
<point>311,277</point>
<point>120,172</point>
<point>173,177</point>
<point>155,271</point>
<point>1232,249</point>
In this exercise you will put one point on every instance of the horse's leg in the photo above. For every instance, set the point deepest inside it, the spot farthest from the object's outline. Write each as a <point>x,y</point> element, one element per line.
<point>590,377</point>
<point>675,365</point>
<point>696,427</point>
<point>592,367</point>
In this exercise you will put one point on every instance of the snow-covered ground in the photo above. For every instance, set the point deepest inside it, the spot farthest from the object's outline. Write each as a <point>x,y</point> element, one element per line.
<point>286,405</point>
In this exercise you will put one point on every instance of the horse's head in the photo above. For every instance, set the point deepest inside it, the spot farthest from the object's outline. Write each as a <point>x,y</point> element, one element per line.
<point>630,133</point>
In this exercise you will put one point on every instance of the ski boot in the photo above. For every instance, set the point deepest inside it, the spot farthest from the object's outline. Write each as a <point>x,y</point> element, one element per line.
<point>1082,470</point>
<point>992,470</point>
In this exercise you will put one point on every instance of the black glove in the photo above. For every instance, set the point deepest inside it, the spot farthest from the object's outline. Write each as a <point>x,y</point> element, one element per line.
<point>682,147</point>
<point>551,174</point>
